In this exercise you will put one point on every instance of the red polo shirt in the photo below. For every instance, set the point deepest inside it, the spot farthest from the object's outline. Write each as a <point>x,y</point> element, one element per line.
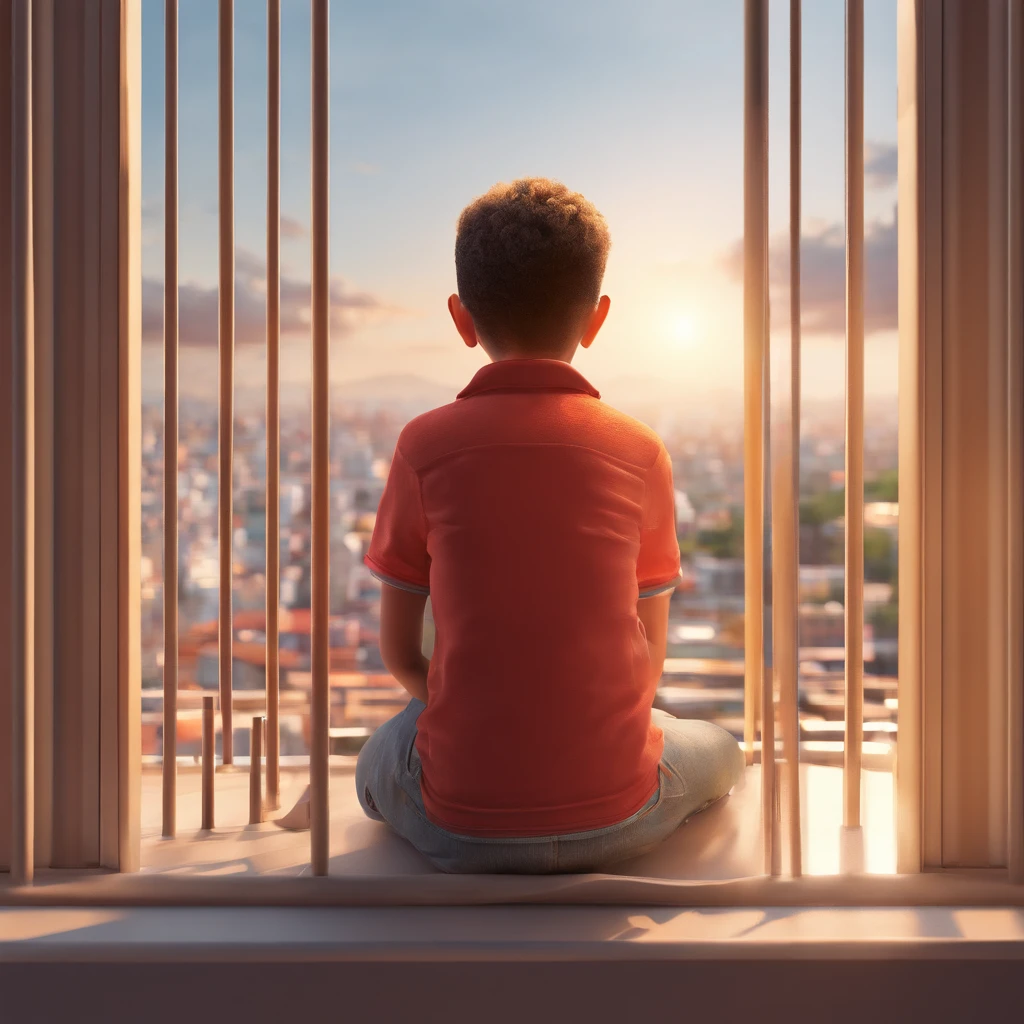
<point>535,516</point>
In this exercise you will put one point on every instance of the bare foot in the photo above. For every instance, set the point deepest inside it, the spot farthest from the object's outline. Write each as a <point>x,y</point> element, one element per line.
<point>297,819</point>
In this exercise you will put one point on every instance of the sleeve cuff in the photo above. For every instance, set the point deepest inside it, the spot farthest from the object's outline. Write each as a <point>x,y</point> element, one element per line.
<point>391,581</point>
<point>652,590</point>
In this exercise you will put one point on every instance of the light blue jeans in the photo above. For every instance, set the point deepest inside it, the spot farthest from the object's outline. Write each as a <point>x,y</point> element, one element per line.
<point>701,763</point>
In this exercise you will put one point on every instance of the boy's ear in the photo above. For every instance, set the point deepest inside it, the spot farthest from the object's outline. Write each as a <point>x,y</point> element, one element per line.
<point>463,321</point>
<point>595,321</point>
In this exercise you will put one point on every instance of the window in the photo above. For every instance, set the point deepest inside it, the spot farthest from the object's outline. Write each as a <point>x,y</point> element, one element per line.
<point>953,622</point>
<point>676,337</point>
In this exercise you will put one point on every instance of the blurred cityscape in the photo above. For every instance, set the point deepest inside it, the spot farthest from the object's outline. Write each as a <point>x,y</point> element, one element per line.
<point>704,669</point>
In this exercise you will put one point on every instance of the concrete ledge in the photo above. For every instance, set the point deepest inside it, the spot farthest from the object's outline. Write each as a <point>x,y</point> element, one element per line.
<point>483,934</point>
<point>511,964</point>
<point>513,992</point>
<point>940,889</point>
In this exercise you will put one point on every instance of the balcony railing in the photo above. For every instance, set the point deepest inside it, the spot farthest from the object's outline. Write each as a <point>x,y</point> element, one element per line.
<point>771,430</point>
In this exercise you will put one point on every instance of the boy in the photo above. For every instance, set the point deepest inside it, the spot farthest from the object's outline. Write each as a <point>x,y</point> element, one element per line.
<point>541,524</point>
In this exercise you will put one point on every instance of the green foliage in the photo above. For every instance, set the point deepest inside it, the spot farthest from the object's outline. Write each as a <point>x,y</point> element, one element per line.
<point>822,508</point>
<point>816,512</point>
<point>884,487</point>
<point>885,621</point>
<point>726,542</point>
<point>879,556</point>
<point>831,505</point>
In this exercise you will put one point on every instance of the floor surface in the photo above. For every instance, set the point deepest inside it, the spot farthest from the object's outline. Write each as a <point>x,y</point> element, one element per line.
<point>722,843</point>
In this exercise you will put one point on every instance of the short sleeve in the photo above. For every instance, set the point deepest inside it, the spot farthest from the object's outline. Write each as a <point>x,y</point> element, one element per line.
<point>398,549</point>
<point>657,568</point>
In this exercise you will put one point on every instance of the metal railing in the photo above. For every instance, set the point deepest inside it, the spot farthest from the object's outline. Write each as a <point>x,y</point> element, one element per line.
<point>170,723</point>
<point>762,684</point>
<point>23,452</point>
<point>273,623</point>
<point>320,83</point>
<point>771,451</point>
<point>319,776</point>
<point>854,477</point>
<point>226,350</point>
<point>758,700</point>
<point>785,489</point>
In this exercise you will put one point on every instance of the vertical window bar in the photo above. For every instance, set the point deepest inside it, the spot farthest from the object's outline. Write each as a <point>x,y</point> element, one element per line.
<point>42,330</point>
<point>753,571</point>
<point>226,346</point>
<point>785,462</point>
<point>755,310</point>
<point>1015,475</point>
<point>170,717</point>
<point>22,482</point>
<point>911,542</point>
<point>854,703</point>
<point>319,227</point>
<point>273,399</point>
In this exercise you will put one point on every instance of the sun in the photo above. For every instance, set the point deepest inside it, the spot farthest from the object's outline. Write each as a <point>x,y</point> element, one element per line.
<point>682,328</point>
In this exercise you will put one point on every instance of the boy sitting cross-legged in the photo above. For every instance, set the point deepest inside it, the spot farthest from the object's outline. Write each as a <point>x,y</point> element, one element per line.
<point>541,523</point>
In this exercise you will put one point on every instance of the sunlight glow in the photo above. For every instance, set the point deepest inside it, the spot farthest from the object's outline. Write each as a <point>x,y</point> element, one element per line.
<point>683,329</point>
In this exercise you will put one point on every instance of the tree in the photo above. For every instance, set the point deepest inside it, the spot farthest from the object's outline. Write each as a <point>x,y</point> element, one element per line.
<point>822,508</point>
<point>724,542</point>
<point>885,620</point>
<point>885,487</point>
<point>879,556</point>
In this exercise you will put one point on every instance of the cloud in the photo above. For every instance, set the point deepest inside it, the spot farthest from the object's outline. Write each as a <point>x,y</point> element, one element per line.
<point>198,307</point>
<point>823,278</point>
<point>292,228</point>
<point>880,165</point>
<point>153,221</point>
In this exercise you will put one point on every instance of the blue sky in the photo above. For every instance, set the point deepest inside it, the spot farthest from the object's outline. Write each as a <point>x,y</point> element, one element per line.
<point>638,105</point>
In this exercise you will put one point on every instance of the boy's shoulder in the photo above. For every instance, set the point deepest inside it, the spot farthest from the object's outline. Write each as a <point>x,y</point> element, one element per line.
<point>416,437</point>
<point>603,427</point>
<point>418,440</point>
<point>638,433</point>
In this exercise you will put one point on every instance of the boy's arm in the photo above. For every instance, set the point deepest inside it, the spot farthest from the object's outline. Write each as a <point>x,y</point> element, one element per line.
<point>653,613</point>
<point>658,562</point>
<point>398,557</point>
<point>401,638</point>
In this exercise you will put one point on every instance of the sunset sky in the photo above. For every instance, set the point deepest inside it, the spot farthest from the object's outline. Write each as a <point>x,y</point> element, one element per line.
<point>638,105</point>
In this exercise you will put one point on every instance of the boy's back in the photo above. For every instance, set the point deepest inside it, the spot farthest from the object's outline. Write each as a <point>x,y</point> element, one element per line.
<point>536,516</point>
<point>542,525</point>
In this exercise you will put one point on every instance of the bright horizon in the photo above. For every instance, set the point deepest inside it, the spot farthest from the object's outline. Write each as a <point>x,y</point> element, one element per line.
<point>638,106</point>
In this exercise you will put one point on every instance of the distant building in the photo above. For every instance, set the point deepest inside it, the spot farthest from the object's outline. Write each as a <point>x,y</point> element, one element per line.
<point>718,577</point>
<point>686,517</point>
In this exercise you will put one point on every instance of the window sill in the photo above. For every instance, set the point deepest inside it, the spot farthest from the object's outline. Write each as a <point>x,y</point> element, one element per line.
<point>722,844</point>
<point>713,861</point>
<point>949,888</point>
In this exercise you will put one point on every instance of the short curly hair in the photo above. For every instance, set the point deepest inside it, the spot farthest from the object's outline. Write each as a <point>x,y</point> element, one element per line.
<point>529,260</point>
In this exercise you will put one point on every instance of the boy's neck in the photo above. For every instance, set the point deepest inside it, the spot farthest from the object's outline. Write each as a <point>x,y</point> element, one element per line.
<point>564,355</point>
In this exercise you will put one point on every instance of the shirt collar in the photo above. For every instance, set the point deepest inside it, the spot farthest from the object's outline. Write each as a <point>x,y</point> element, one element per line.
<point>528,375</point>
